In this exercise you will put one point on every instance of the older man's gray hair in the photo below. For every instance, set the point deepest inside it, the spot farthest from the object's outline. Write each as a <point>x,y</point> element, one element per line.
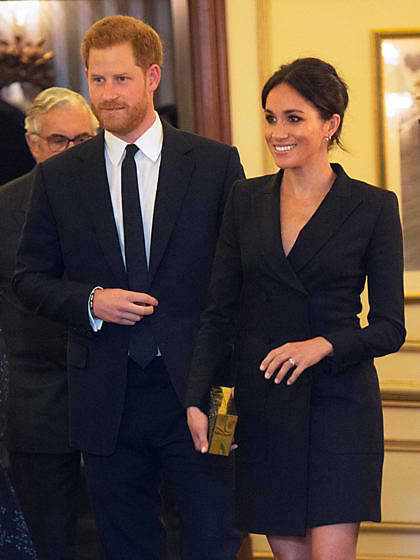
<point>55,97</point>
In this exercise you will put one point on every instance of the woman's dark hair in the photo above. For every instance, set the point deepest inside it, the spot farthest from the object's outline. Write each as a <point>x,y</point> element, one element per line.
<point>318,82</point>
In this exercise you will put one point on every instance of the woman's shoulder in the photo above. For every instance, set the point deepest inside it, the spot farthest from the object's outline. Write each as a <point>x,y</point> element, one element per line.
<point>255,184</point>
<point>367,191</point>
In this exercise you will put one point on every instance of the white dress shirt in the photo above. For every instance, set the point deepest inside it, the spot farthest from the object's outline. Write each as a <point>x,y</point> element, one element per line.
<point>148,164</point>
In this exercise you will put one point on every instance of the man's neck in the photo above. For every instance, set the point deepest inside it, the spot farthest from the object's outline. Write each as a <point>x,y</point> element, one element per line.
<point>134,135</point>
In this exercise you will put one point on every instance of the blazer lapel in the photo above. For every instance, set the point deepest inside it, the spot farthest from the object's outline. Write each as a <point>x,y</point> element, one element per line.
<point>175,173</point>
<point>95,192</point>
<point>268,234</point>
<point>338,204</point>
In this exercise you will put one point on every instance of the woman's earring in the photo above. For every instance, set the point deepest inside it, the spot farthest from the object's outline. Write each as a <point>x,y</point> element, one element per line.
<point>327,138</point>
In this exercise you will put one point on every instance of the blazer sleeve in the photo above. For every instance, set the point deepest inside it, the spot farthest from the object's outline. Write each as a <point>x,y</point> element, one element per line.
<point>216,336</point>
<point>39,280</point>
<point>385,332</point>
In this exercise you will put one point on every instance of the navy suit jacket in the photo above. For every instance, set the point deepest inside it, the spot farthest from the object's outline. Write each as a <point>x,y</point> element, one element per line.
<point>70,230</point>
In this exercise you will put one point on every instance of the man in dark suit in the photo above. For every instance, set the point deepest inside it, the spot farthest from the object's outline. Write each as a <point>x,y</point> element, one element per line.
<point>44,469</point>
<point>118,245</point>
<point>15,157</point>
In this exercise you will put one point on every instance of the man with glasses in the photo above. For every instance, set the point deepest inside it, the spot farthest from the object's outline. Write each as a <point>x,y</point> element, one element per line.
<point>45,470</point>
<point>58,119</point>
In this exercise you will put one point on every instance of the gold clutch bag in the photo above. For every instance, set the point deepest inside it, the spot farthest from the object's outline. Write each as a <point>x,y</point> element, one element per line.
<point>222,420</point>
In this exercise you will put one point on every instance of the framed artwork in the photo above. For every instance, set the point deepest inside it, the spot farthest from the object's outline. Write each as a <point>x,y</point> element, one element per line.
<point>398,81</point>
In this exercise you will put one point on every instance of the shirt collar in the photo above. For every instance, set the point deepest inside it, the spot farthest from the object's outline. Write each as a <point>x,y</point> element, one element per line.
<point>149,143</point>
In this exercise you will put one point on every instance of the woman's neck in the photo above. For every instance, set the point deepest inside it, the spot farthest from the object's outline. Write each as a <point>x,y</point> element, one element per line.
<point>307,182</point>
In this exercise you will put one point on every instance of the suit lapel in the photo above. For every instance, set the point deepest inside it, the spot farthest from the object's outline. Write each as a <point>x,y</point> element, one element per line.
<point>175,173</point>
<point>268,234</point>
<point>95,192</point>
<point>338,204</point>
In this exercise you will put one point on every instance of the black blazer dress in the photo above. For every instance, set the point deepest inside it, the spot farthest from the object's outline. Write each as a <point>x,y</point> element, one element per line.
<point>311,453</point>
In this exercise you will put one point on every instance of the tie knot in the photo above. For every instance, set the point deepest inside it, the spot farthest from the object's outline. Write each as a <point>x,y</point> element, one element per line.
<point>131,150</point>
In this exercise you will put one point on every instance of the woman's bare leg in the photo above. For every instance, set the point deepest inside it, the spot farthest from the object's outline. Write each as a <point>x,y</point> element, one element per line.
<point>290,548</point>
<point>329,542</point>
<point>335,542</point>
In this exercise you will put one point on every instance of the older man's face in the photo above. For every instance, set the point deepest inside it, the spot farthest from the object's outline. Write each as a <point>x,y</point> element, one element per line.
<point>61,122</point>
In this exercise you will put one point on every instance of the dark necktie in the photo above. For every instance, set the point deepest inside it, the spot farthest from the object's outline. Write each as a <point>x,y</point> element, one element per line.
<point>142,346</point>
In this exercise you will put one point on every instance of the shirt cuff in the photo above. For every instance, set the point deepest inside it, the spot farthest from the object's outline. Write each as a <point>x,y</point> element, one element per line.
<point>95,322</point>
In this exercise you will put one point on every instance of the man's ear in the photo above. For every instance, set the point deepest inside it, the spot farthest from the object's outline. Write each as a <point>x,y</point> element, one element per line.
<point>153,75</point>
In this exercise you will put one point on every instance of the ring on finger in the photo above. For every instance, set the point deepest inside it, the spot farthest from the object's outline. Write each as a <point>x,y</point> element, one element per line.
<point>292,361</point>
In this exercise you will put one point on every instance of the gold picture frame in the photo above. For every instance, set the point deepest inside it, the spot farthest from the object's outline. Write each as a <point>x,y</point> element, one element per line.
<point>397,55</point>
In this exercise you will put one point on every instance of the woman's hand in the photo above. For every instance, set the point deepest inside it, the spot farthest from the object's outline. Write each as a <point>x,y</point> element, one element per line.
<point>198,424</point>
<point>297,355</point>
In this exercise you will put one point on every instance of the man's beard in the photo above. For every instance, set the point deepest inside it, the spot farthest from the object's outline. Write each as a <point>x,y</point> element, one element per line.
<point>120,122</point>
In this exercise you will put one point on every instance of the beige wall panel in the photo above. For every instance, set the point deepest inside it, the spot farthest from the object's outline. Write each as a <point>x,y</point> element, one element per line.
<point>401,485</point>
<point>412,314</point>
<point>391,545</point>
<point>403,424</point>
<point>246,113</point>
<point>402,367</point>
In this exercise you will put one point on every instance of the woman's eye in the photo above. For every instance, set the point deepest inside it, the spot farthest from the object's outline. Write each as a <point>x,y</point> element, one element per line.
<point>294,118</point>
<point>270,119</point>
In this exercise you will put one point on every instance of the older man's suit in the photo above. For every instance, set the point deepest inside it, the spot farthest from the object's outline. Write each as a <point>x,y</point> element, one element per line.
<point>71,230</point>
<point>36,347</point>
<point>44,468</point>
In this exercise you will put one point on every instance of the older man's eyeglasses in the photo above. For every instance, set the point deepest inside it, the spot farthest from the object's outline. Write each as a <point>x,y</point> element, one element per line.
<point>59,142</point>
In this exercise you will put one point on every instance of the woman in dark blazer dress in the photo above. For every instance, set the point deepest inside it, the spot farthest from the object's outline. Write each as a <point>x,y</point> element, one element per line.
<point>293,256</point>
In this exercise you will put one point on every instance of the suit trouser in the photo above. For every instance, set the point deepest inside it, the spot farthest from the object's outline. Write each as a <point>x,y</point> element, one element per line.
<point>124,487</point>
<point>48,489</point>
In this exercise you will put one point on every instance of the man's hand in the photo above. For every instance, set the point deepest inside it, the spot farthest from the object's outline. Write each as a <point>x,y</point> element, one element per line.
<point>198,424</point>
<point>122,306</point>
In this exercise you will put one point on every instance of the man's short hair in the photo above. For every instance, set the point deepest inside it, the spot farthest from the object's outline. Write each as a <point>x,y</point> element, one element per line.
<point>118,29</point>
<point>55,97</point>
